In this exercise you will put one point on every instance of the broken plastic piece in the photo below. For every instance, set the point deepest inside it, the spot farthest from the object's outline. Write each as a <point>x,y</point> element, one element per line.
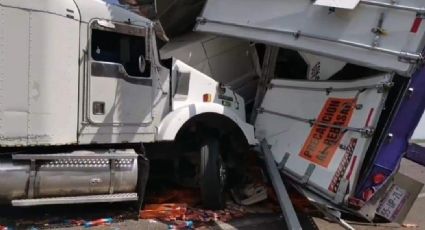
<point>75,222</point>
<point>164,211</point>
<point>181,225</point>
<point>251,194</point>
<point>98,222</point>
<point>410,225</point>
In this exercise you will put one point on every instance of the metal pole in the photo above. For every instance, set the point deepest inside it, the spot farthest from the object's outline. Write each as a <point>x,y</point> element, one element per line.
<point>394,6</point>
<point>331,89</point>
<point>288,210</point>
<point>267,73</point>
<point>367,132</point>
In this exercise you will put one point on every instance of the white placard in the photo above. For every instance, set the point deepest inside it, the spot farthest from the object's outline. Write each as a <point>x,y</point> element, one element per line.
<point>393,203</point>
<point>345,4</point>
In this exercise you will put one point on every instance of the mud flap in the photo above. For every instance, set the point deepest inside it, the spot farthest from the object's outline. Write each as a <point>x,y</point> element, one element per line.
<point>142,179</point>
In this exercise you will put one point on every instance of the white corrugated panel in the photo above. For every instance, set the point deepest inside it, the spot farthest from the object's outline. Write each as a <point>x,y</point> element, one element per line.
<point>291,110</point>
<point>14,62</point>
<point>340,33</point>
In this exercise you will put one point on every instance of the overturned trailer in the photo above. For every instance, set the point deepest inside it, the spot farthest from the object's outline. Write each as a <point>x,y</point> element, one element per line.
<point>340,98</point>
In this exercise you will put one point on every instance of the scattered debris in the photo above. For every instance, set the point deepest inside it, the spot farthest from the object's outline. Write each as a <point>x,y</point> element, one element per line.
<point>78,222</point>
<point>98,222</point>
<point>180,216</point>
<point>177,195</point>
<point>205,216</point>
<point>410,225</point>
<point>165,212</point>
<point>181,225</point>
<point>180,207</point>
<point>250,194</point>
<point>261,208</point>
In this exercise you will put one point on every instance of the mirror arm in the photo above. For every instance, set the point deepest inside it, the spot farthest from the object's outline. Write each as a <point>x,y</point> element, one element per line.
<point>142,64</point>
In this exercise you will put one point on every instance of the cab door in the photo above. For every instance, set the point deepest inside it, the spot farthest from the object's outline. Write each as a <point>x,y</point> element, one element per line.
<point>119,81</point>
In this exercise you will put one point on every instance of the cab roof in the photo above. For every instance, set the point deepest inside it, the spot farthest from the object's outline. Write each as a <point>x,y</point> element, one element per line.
<point>84,10</point>
<point>97,9</point>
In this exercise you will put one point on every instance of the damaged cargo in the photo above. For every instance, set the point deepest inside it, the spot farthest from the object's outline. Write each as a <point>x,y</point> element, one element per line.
<point>340,95</point>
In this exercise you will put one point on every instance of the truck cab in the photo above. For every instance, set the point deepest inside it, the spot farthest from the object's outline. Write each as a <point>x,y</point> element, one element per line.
<point>83,87</point>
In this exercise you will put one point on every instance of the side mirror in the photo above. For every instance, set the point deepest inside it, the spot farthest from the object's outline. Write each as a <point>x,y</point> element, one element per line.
<point>142,64</point>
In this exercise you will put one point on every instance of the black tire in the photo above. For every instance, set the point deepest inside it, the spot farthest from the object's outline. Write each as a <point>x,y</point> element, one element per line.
<point>212,175</point>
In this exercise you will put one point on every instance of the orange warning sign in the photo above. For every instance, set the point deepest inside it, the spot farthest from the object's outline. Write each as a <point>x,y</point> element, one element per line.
<point>323,140</point>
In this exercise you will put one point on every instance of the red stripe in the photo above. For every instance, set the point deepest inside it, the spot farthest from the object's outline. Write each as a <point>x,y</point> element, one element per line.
<point>351,168</point>
<point>416,25</point>
<point>369,117</point>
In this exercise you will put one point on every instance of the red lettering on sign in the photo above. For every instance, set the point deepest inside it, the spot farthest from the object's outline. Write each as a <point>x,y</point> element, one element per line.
<point>342,168</point>
<point>323,140</point>
<point>416,25</point>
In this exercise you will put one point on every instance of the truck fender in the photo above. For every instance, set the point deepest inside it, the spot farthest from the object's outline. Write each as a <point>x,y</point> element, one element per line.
<point>174,121</point>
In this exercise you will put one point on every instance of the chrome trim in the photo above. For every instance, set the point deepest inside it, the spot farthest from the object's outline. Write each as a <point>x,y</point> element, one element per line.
<point>403,56</point>
<point>339,89</point>
<point>110,156</point>
<point>77,200</point>
<point>394,6</point>
<point>366,132</point>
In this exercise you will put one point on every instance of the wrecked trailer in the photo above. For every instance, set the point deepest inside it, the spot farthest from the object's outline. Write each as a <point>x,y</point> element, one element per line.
<point>341,97</point>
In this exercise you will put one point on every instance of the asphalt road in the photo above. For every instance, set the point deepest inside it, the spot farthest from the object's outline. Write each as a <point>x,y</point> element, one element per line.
<point>415,216</point>
<point>271,222</point>
<point>43,217</point>
<point>275,222</point>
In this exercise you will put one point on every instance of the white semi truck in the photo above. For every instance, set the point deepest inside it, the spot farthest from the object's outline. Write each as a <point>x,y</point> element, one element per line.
<point>82,87</point>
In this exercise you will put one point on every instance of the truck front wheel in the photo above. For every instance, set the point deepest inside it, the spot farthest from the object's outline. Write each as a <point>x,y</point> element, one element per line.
<point>212,175</point>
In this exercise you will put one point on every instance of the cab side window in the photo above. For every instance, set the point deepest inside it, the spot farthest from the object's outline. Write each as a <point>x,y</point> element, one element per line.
<point>119,48</point>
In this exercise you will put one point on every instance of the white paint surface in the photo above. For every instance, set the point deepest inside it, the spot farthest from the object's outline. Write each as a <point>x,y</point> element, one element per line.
<point>345,4</point>
<point>287,135</point>
<point>277,22</point>
<point>47,92</point>
<point>419,134</point>
<point>39,59</point>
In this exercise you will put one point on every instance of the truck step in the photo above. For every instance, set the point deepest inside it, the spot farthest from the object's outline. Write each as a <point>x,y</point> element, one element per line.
<point>121,197</point>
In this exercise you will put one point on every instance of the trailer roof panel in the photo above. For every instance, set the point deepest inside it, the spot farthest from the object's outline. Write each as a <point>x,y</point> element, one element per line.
<point>65,8</point>
<point>95,9</point>
<point>376,34</point>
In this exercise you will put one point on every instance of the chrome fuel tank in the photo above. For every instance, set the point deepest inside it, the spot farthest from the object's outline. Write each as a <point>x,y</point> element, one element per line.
<point>80,173</point>
<point>13,180</point>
